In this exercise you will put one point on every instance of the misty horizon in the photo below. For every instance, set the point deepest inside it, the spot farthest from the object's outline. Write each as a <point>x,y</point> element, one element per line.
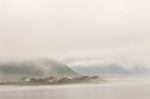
<point>108,30</point>
<point>74,49</point>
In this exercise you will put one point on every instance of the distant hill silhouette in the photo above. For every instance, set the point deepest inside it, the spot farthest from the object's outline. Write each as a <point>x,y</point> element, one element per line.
<point>38,69</point>
<point>111,70</point>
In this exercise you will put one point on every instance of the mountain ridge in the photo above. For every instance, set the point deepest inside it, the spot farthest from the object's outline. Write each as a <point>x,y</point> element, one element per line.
<point>111,70</point>
<point>37,69</point>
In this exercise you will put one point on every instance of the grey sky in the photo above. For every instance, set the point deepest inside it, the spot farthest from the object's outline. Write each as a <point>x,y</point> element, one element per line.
<point>75,28</point>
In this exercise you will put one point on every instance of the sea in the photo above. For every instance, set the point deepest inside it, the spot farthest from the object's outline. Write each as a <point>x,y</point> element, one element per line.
<point>111,89</point>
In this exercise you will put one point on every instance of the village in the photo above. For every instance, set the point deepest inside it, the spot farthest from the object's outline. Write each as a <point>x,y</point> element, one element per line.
<point>51,80</point>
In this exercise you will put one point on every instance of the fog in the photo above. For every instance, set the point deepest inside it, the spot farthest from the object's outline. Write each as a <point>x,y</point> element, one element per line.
<point>106,30</point>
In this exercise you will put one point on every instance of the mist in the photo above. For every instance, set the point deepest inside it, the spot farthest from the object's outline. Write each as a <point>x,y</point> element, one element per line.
<point>78,33</point>
<point>33,29</point>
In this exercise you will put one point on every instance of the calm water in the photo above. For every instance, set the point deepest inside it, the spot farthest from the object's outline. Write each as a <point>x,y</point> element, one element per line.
<point>138,89</point>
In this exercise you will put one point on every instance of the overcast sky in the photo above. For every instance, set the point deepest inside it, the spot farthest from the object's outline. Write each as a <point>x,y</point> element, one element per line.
<point>32,29</point>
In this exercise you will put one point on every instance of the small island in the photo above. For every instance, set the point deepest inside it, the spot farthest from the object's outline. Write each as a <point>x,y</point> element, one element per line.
<point>42,72</point>
<point>51,80</point>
